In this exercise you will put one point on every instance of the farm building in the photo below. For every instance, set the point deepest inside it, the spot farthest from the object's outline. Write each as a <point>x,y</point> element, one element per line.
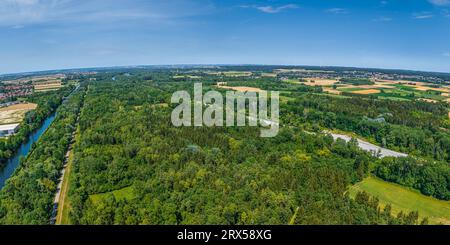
<point>8,129</point>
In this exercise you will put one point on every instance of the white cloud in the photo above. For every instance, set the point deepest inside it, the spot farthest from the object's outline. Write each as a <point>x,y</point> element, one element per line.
<point>440,2</point>
<point>26,12</point>
<point>423,15</point>
<point>337,11</point>
<point>271,9</point>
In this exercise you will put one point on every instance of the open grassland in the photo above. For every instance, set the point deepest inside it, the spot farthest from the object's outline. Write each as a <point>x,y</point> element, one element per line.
<point>126,193</point>
<point>15,113</point>
<point>404,199</point>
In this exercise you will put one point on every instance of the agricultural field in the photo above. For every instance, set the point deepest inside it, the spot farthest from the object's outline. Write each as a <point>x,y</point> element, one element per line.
<point>239,88</point>
<point>47,85</point>
<point>404,199</point>
<point>15,113</point>
<point>384,89</point>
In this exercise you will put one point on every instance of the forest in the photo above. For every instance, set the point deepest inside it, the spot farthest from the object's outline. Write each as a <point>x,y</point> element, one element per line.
<point>149,172</point>
<point>132,166</point>
<point>27,197</point>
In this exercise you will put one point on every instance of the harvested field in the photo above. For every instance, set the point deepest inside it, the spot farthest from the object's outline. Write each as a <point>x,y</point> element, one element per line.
<point>425,88</point>
<point>48,85</point>
<point>15,113</point>
<point>367,91</point>
<point>319,82</point>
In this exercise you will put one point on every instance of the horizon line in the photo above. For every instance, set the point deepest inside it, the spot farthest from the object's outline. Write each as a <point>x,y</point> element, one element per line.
<point>218,64</point>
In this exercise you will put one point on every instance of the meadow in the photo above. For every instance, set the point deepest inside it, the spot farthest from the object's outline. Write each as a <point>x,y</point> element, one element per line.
<point>404,199</point>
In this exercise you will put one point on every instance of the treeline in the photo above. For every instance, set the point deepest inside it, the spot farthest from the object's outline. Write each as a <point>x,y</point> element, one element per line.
<point>47,103</point>
<point>413,127</point>
<point>357,81</point>
<point>27,197</point>
<point>131,166</point>
<point>432,179</point>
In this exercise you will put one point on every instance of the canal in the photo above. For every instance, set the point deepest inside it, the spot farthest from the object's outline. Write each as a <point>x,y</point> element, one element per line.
<point>8,169</point>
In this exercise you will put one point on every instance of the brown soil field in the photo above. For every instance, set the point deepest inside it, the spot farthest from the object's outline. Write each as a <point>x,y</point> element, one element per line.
<point>368,91</point>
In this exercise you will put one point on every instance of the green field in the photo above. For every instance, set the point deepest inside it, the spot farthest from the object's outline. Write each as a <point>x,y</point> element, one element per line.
<point>121,194</point>
<point>404,199</point>
<point>186,76</point>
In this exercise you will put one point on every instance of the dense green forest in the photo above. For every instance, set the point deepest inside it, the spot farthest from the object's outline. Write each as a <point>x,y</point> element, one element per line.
<point>418,128</point>
<point>132,166</point>
<point>27,197</point>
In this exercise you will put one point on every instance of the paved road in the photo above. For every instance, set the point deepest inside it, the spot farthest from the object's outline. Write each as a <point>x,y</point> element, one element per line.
<point>370,147</point>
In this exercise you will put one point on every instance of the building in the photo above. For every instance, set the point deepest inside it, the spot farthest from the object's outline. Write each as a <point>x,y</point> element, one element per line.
<point>8,129</point>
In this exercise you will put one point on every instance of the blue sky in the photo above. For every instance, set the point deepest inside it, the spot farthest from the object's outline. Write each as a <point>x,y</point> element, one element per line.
<point>54,34</point>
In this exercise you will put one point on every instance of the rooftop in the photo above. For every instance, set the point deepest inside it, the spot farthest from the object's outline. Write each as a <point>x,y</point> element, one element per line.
<point>8,126</point>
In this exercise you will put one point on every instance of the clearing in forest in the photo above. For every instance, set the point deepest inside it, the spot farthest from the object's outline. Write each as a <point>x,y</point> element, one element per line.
<point>404,199</point>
